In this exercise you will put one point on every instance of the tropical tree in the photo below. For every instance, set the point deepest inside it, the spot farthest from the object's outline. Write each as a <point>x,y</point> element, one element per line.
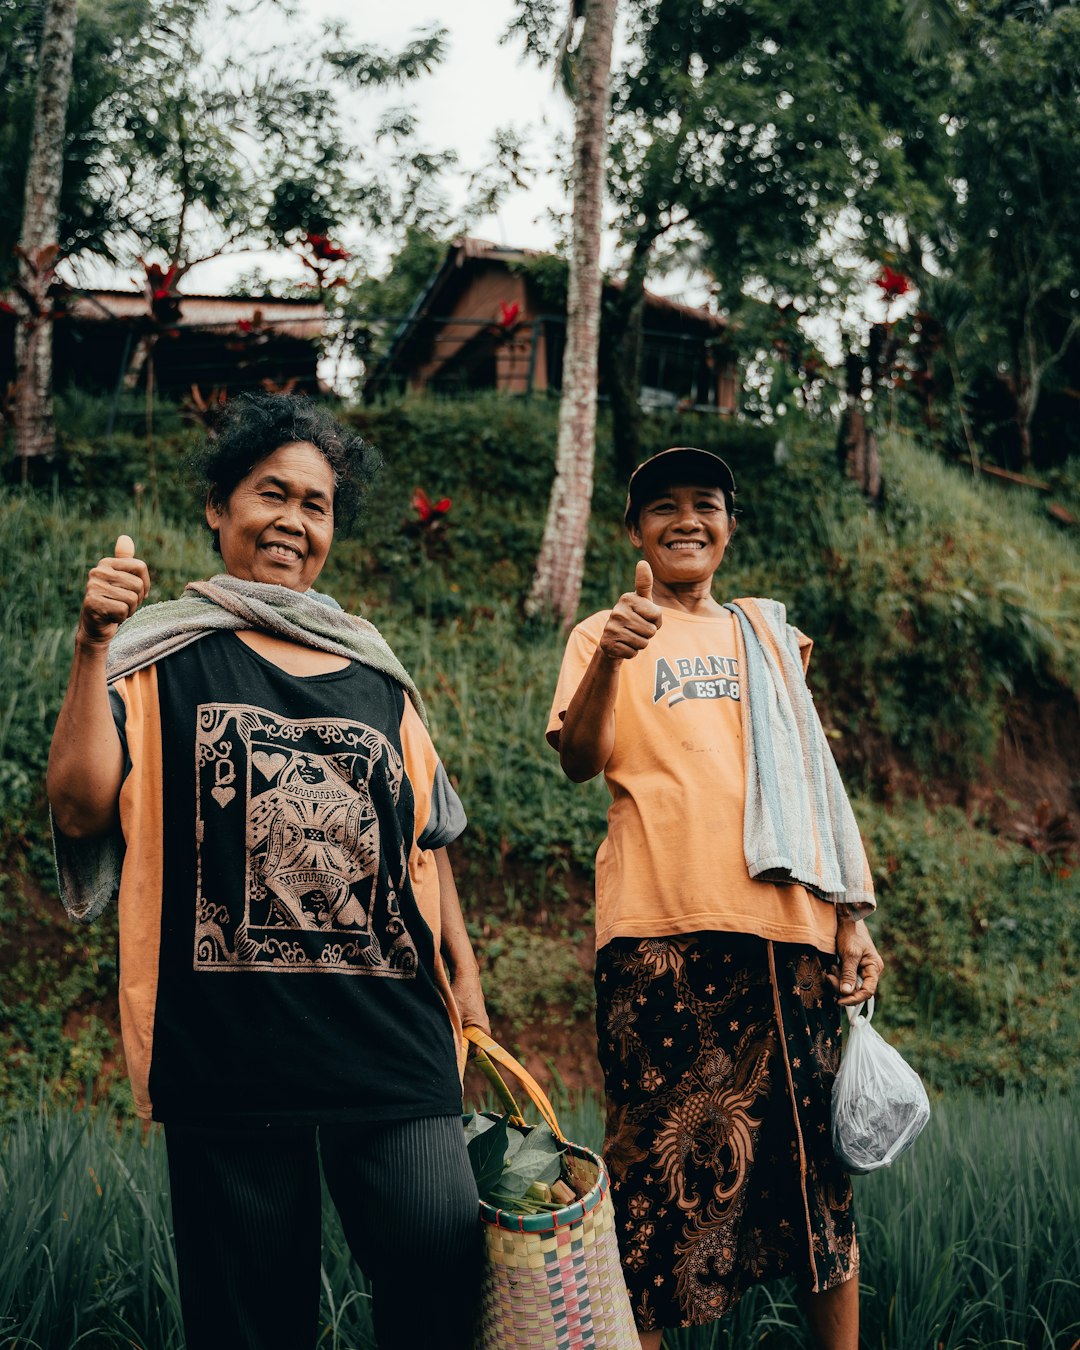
<point>107,37</point>
<point>38,246</point>
<point>556,585</point>
<point>772,150</point>
<point>1016,213</point>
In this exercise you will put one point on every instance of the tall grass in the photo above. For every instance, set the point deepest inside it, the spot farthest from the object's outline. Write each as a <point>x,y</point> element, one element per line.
<point>971,1240</point>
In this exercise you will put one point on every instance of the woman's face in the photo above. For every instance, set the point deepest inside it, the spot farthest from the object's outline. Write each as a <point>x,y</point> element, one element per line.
<point>278,522</point>
<point>682,533</point>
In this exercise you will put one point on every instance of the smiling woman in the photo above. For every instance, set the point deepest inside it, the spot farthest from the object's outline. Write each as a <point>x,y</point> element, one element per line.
<point>248,769</point>
<point>716,932</point>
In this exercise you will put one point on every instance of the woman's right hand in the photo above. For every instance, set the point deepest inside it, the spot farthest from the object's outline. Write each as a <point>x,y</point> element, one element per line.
<point>115,589</point>
<point>634,621</point>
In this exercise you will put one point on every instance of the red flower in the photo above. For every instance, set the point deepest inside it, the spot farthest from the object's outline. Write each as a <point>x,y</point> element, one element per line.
<point>893,284</point>
<point>245,325</point>
<point>161,281</point>
<point>426,509</point>
<point>508,313</point>
<point>323,249</point>
<point>5,308</point>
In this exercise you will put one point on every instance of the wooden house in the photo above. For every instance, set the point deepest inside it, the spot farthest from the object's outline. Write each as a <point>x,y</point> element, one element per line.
<point>210,343</point>
<point>486,320</point>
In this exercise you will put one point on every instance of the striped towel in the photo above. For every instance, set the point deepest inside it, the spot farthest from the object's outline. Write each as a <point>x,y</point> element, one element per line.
<point>798,825</point>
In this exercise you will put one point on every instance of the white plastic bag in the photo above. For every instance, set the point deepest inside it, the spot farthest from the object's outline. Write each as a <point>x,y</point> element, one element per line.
<point>879,1105</point>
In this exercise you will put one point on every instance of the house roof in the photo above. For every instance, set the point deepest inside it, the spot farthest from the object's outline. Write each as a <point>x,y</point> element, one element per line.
<point>294,318</point>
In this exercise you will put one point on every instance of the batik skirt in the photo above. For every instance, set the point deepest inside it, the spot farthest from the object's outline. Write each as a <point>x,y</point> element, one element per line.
<point>719,1052</point>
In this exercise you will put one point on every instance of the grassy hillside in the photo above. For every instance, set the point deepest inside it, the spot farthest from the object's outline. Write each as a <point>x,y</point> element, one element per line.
<point>947,630</point>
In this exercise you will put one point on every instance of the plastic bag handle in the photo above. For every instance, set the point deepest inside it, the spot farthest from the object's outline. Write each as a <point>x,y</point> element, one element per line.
<point>485,1050</point>
<point>854,1009</point>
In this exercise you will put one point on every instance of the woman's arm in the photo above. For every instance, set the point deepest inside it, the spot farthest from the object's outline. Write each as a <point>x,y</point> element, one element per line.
<point>587,737</point>
<point>457,950</point>
<point>86,760</point>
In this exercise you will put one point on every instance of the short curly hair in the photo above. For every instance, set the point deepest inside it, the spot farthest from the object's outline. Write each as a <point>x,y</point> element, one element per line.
<point>253,426</point>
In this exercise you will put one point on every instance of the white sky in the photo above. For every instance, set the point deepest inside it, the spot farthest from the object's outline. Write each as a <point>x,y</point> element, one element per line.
<point>480,85</point>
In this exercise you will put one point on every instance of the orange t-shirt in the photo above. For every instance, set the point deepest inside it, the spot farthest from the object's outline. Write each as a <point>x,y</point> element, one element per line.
<point>673,859</point>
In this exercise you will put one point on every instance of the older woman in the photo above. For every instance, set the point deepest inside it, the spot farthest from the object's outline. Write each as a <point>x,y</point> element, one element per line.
<point>732,876</point>
<point>249,768</point>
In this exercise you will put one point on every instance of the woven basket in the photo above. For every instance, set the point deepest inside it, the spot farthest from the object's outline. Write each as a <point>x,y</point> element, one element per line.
<point>551,1281</point>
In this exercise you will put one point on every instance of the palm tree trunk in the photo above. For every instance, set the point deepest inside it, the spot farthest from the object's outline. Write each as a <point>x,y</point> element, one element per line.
<point>625,315</point>
<point>556,585</point>
<point>34,430</point>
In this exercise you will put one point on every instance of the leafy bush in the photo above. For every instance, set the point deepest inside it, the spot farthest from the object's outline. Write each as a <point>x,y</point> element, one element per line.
<point>529,976</point>
<point>981,941</point>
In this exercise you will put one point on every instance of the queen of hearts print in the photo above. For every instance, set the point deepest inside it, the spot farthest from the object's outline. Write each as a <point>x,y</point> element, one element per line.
<point>320,892</point>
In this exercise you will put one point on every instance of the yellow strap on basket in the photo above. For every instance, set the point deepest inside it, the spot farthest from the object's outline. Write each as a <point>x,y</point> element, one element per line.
<point>485,1051</point>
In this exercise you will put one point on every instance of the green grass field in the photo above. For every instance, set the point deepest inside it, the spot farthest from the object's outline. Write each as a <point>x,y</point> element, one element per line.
<point>971,1240</point>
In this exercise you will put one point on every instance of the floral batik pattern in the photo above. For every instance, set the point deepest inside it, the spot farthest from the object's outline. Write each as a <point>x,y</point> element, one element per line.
<point>719,1052</point>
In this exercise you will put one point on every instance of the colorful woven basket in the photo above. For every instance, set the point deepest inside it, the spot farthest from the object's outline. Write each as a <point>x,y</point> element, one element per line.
<point>551,1281</point>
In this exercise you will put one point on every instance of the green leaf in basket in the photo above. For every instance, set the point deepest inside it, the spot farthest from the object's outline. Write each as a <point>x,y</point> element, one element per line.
<point>528,1167</point>
<point>539,1158</point>
<point>476,1123</point>
<point>487,1151</point>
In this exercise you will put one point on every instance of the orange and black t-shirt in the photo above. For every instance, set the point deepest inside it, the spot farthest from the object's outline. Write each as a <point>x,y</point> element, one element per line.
<point>278,900</point>
<point>673,860</point>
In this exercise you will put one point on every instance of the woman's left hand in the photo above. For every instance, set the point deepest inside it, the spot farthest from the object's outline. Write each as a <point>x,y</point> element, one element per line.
<point>469,998</point>
<point>858,958</point>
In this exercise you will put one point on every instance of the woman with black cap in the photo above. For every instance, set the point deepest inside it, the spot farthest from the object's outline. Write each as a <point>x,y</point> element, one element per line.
<point>731,881</point>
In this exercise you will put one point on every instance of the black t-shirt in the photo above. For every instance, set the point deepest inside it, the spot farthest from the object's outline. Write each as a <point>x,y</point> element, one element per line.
<point>295,972</point>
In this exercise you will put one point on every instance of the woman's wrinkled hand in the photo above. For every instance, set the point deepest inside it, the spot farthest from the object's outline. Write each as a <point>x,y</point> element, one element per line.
<point>469,998</point>
<point>634,621</point>
<point>115,589</point>
<point>859,960</point>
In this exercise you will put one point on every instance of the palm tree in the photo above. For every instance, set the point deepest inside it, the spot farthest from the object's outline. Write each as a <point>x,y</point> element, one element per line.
<point>556,585</point>
<point>38,249</point>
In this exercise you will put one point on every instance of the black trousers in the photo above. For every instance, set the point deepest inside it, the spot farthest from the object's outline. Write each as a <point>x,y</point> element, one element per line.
<point>247,1221</point>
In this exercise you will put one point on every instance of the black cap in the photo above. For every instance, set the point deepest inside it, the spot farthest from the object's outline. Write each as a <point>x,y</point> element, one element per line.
<point>680,464</point>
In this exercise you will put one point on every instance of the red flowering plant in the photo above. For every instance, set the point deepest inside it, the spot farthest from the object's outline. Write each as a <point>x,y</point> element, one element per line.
<point>321,256</point>
<point>892,285</point>
<point>250,334</point>
<point>509,313</point>
<point>322,249</point>
<point>160,288</point>
<point>888,346</point>
<point>430,523</point>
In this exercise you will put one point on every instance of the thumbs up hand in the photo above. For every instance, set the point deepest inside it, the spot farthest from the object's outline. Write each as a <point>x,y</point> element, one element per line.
<point>115,589</point>
<point>634,621</point>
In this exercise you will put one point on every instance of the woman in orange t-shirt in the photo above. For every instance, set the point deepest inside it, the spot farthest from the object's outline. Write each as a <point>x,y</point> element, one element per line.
<point>718,1032</point>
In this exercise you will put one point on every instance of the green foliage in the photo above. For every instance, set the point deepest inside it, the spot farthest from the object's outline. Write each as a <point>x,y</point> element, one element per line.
<point>982,952</point>
<point>1016,214</point>
<point>106,36</point>
<point>764,130</point>
<point>231,147</point>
